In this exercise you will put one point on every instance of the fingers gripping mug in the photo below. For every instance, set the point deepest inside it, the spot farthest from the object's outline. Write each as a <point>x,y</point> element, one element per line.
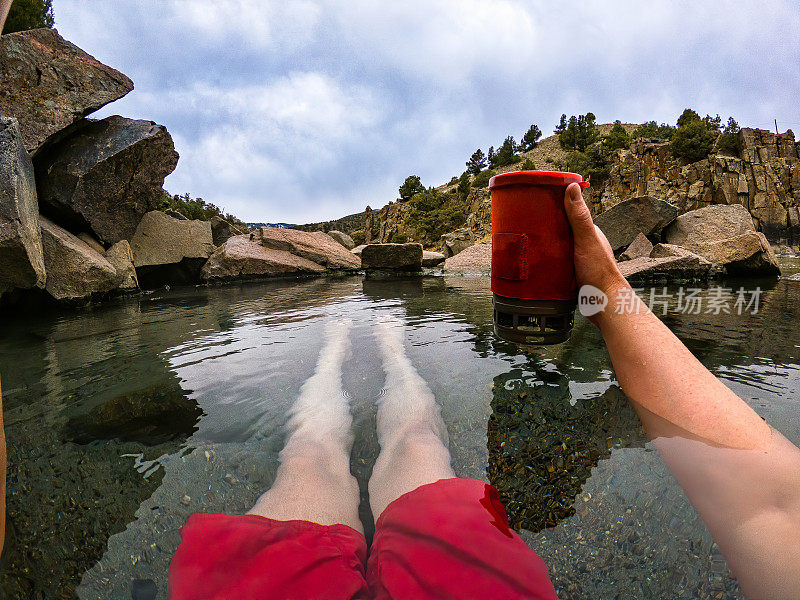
<point>534,290</point>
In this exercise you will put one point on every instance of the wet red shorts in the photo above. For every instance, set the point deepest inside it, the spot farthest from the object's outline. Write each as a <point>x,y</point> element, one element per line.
<point>448,539</point>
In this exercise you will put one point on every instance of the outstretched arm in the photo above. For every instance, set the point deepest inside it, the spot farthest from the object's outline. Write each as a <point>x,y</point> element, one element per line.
<point>741,475</point>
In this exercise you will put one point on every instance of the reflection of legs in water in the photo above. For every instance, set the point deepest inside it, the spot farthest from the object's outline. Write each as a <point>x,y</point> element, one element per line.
<point>411,432</point>
<point>313,481</point>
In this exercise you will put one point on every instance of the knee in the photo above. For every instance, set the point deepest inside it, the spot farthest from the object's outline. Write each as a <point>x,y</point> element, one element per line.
<point>421,445</point>
<point>310,456</point>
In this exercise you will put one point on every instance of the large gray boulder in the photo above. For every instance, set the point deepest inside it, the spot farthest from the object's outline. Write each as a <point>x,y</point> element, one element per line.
<point>344,239</point>
<point>457,241</point>
<point>106,175</point>
<point>222,230</point>
<point>241,257</point>
<point>477,258</point>
<point>624,221</point>
<point>75,270</point>
<point>48,84</point>
<point>163,240</point>
<point>710,224</point>
<point>21,257</point>
<point>315,246</point>
<point>401,257</point>
<point>121,258</point>
<point>725,234</point>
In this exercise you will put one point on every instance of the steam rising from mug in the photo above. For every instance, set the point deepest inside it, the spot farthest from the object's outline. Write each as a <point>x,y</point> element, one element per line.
<point>533,274</point>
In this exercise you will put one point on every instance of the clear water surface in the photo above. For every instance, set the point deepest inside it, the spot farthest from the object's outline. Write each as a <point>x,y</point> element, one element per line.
<point>123,419</point>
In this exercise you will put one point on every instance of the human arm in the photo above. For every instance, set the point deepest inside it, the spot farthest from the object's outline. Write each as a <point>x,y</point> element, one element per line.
<point>742,476</point>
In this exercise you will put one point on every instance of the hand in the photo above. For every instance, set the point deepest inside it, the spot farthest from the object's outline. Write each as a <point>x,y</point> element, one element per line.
<point>594,258</point>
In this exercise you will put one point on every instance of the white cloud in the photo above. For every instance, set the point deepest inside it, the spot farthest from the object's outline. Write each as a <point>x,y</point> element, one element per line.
<point>306,110</point>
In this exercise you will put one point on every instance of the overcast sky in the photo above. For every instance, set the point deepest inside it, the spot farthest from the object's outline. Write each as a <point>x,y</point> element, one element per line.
<point>309,110</point>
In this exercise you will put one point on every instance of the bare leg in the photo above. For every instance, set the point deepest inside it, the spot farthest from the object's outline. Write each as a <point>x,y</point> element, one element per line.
<point>411,432</point>
<point>313,482</point>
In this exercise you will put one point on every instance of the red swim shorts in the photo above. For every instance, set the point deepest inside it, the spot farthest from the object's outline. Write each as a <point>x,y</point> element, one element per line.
<point>448,539</point>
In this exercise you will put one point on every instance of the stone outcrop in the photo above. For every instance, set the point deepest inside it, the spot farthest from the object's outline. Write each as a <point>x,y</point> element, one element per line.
<point>688,267</point>
<point>344,239</point>
<point>241,257</point>
<point>640,247</point>
<point>724,234</point>
<point>357,250</point>
<point>121,258</point>
<point>315,246</point>
<point>75,271</point>
<point>106,175</point>
<point>627,219</point>
<point>457,241</point>
<point>764,178</point>
<point>400,257</point>
<point>222,230</point>
<point>431,259</point>
<point>167,250</point>
<point>21,256</point>
<point>48,84</point>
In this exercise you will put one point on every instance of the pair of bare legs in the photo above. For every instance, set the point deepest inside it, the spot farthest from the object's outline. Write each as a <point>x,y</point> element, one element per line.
<point>313,482</point>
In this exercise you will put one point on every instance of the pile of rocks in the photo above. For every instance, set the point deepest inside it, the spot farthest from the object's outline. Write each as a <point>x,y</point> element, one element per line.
<point>653,243</point>
<point>78,197</point>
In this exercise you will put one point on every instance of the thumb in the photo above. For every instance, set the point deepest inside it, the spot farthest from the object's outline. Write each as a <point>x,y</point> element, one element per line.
<point>580,219</point>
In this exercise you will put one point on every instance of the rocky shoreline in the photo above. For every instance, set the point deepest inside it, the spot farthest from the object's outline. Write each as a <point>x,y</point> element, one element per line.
<point>79,199</point>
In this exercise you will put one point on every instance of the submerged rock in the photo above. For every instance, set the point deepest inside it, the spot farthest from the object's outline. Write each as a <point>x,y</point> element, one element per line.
<point>21,256</point>
<point>74,269</point>
<point>166,250</point>
<point>623,222</point>
<point>48,84</point>
<point>241,258</point>
<point>153,415</point>
<point>344,239</point>
<point>106,175</point>
<point>315,246</point>
<point>402,257</point>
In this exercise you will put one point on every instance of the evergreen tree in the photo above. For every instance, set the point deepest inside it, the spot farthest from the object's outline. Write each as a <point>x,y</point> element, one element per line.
<point>617,137</point>
<point>729,138</point>
<point>713,123</point>
<point>531,138</point>
<point>579,133</point>
<point>651,129</point>
<point>692,141</point>
<point>686,116</point>
<point>29,14</point>
<point>562,125</point>
<point>476,162</point>
<point>490,156</point>
<point>411,186</point>
<point>506,153</point>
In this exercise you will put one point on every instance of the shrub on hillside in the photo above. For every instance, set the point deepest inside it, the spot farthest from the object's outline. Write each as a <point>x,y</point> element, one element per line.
<point>651,129</point>
<point>578,133</point>
<point>481,180</point>
<point>729,138</point>
<point>463,185</point>
<point>433,214</point>
<point>527,165</point>
<point>197,208</point>
<point>616,138</point>
<point>593,164</point>
<point>694,137</point>
<point>358,237</point>
<point>29,14</point>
